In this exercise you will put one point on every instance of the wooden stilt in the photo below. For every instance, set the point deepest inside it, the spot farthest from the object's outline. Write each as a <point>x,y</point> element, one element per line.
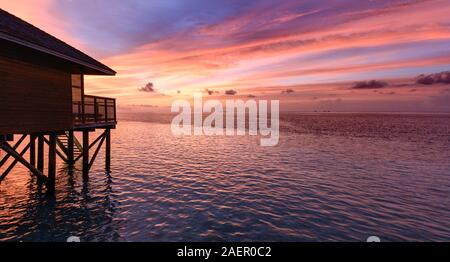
<point>70,153</point>
<point>8,149</point>
<point>85,154</point>
<point>51,163</point>
<point>61,155</point>
<point>3,161</point>
<point>108,150</point>
<point>99,138</point>
<point>14,163</point>
<point>40,160</point>
<point>33,150</point>
<point>70,149</point>
<point>91,162</point>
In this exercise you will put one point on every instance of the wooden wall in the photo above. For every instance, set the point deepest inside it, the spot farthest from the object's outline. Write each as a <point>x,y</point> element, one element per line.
<point>33,98</point>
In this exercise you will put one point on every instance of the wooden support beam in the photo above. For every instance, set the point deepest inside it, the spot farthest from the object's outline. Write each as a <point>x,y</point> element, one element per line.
<point>108,150</point>
<point>14,163</point>
<point>61,155</point>
<point>70,149</point>
<point>77,143</point>
<point>5,158</point>
<point>85,154</point>
<point>33,150</point>
<point>96,151</point>
<point>40,158</point>
<point>61,146</point>
<point>8,149</point>
<point>91,145</point>
<point>51,163</point>
<point>96,140</point>
<point>78,157</point>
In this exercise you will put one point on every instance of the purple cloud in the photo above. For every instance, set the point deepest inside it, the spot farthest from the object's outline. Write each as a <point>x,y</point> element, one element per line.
<point>437,78</point>
<point>369,84</point>
<point>287,91</point>
<point>230,92</point>
<point>149,88</point>
<point>211,92</point>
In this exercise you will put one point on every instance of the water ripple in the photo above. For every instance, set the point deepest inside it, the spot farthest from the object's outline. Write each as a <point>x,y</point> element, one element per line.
<point>331,178</point>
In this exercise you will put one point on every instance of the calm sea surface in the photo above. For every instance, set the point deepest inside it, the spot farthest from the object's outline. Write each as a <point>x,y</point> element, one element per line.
<point>332,177</point>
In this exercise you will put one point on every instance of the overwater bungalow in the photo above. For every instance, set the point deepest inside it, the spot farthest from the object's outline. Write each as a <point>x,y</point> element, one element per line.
<point>42,101</point>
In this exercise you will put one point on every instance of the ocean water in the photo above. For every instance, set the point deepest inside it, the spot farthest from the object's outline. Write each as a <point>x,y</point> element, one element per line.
<point>333,177</point>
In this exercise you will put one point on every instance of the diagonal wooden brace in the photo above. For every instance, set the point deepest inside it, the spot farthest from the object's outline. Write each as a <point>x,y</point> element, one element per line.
<point>8,149</point>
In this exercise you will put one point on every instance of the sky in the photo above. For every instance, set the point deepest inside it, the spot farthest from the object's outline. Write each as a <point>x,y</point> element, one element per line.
<point>307,54</point>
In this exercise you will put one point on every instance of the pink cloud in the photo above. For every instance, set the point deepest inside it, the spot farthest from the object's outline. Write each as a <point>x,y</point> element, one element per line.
<point>41,14</point>
<point>269,48</point>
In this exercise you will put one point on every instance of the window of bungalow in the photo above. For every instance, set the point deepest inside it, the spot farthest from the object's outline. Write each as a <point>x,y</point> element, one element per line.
<point>77,93</point>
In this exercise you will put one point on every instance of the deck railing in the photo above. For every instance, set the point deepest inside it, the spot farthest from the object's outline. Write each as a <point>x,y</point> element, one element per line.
<point>94,110</point>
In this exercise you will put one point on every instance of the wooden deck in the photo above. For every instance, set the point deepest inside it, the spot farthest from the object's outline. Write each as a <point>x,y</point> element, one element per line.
<point>94,112</point>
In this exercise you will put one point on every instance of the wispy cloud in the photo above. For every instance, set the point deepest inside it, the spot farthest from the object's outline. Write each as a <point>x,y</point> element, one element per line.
<point>200,45</point>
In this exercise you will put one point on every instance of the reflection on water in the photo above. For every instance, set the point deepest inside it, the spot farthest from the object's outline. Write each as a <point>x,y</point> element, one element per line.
<point>332,177</point>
